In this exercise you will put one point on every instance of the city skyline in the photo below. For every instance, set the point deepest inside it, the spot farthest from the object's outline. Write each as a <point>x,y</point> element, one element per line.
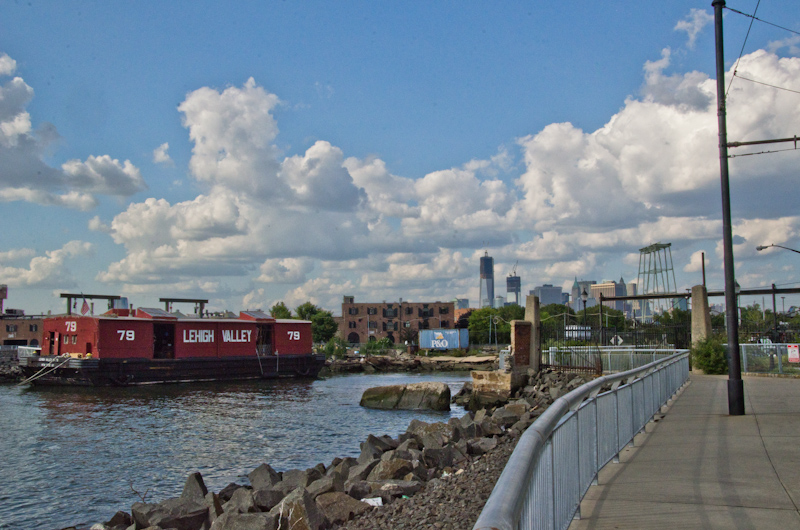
<point>301,153</point>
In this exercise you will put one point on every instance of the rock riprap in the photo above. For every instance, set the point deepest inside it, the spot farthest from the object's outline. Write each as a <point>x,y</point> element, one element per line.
<point>434,475</point>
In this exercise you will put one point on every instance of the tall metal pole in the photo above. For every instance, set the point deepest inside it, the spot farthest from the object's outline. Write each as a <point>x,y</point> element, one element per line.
<point>774,315</point>
<point>735,383</point>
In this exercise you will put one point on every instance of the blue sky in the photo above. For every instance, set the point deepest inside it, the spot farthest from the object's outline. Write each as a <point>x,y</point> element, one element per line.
<point>324,149</point>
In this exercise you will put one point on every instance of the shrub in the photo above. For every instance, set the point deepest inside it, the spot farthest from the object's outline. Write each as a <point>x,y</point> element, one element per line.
<point>710,356</point>
<point>335,348</point>
<point>376,347</point>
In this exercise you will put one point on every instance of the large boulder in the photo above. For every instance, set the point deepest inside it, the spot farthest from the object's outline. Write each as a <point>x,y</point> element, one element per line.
<point>266,499</point>
<point>172,513</point>
<point>195,489</point>
<point>327,484</point>
<point>340,507</point>
<point>390,469</point>
<point>414,396</point>
<point>246,521</point>
<point>361,471</point>
<point>425,396</point>
<point>242,501</point>
<point>298,511</point>
<point>264,477</point>
<point>382,397</point>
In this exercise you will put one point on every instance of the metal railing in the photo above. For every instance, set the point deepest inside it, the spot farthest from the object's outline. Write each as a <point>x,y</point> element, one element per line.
<point>613,358</point>
<point>558,457</point>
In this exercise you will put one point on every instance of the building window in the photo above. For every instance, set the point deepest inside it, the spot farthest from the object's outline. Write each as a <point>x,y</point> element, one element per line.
<point>352,311</point>
<point>11,328</point>
<point>390,313</point>
<point>409,310</point>
<point>34,327</point>
<point>66,339</point>
<point>372,310</point>
<point>373,325</point>
<point>352,324</point>
<point>74,339</point>
<point>444,310</point>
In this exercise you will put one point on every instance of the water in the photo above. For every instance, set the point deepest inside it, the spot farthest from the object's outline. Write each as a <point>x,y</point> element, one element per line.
<point>74,456</point>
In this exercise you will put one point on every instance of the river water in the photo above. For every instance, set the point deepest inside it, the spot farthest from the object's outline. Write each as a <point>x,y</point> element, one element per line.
<point>74,456</point>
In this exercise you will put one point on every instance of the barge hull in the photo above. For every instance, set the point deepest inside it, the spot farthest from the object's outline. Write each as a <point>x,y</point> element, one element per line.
<point>51,370</point>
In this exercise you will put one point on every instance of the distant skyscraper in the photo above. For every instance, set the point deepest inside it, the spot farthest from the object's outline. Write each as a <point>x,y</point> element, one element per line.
<point>513,288</point>
<point>548,294</point>
<point>577,288</point>
<point>486,292</point>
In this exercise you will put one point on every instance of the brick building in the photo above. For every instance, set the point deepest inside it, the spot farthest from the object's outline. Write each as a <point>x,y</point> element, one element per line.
<point>397,321</point>
<point>17,329</point>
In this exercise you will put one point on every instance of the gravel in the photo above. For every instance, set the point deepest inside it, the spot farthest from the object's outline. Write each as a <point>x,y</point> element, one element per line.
<point>451,502</point>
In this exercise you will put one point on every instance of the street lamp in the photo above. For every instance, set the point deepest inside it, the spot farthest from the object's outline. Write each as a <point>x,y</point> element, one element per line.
<point>762,247</point>
<point>584,297</point>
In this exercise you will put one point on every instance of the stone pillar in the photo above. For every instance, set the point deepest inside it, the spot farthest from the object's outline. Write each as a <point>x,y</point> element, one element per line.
<point>701,317</point>
<point>533,316</point>
<point>521,344</point>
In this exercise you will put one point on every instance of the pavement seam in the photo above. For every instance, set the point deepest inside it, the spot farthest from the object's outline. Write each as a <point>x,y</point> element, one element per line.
<point>769,458</point>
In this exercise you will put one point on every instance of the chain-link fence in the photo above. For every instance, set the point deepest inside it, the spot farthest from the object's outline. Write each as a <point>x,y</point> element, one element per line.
<point>768,358</point>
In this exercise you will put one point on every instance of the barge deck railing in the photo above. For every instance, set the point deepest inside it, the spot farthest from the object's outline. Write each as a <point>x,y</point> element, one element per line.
<point>559,456</point>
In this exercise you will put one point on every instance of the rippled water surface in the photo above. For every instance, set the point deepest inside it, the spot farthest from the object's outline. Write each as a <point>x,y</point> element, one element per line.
<point>75,456</point>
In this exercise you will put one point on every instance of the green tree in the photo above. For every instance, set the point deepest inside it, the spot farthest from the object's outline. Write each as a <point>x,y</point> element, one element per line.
<point>613,318</point>
<point>676,317</point>
<point>479,322</point>
<point>488,324</point>
<point>280,310</point>
<point>511,312</point>
<point>323,326</point>
<point>557,309</point>
<point>306,311</point>
<point>409,335</point>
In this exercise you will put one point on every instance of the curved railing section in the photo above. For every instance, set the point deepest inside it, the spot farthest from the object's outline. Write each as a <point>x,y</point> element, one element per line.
<point>558,457</point>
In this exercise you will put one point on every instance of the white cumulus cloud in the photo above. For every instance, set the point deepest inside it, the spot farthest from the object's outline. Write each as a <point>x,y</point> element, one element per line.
<point>161,155</point>
<point>24,175</point>
<point>50,270</point>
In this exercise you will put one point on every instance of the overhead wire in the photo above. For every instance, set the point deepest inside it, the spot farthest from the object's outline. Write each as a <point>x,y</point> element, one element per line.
<point>760,20</point>
<point>763,83</point>
<point>753,18</point>
<point>741,52</point>
<point>763,152</point>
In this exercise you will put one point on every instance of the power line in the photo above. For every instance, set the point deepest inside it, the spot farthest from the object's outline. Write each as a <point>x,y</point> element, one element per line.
<point>763,152</point>
<point>763,83</point>
<point>760,20</point>
<point>741,52</point>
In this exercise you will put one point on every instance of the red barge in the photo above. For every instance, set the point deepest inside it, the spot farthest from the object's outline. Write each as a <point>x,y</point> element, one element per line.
<point>122,347</point>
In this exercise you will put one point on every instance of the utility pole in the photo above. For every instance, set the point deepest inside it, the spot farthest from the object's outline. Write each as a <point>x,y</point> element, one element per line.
<point>735,383</point>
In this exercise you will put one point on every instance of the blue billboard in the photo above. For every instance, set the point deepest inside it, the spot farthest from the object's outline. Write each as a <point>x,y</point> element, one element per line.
<point>443,339</point>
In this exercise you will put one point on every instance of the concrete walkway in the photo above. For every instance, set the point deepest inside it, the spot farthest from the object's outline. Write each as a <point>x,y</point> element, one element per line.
<point>697,467</point>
